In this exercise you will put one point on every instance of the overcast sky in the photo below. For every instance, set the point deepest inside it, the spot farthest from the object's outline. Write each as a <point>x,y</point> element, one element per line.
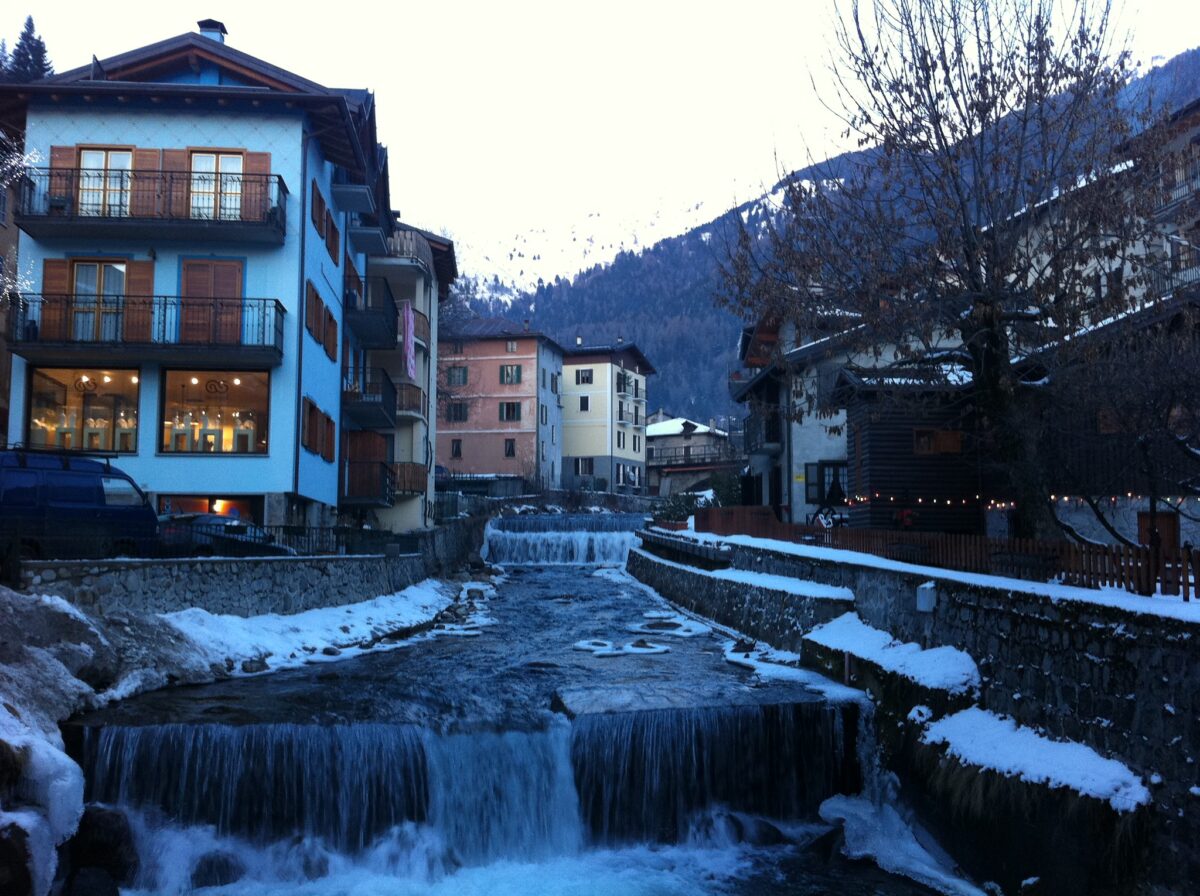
<point>506,118</point>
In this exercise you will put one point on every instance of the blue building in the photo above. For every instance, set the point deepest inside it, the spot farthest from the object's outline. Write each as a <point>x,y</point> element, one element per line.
<point>214,287</point>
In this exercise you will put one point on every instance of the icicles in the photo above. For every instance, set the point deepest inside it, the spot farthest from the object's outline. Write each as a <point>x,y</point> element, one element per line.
<point>642,776</point>
<point>504,795</point>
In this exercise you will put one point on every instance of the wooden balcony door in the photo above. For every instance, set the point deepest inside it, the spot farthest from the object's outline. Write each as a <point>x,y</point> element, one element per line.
<point>211,312</point>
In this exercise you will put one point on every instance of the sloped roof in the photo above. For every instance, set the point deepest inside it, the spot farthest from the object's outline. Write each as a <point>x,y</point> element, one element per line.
<point>478,328</point>
<point>613,351</point>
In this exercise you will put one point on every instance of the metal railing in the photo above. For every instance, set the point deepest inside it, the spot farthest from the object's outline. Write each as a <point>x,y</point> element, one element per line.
<point>705,454</point>
<point>1182,188</point>
<point>376,298</point>
<point>145,320</point>
<point>314,540</point>
<point>370,387</point>
<point>89,194</point>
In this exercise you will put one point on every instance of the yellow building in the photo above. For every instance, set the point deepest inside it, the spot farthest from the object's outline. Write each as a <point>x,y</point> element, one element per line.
<point>604,417</point>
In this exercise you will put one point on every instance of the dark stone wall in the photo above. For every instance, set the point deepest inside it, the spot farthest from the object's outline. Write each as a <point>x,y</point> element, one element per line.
<point>776,617</point>
<point>1125,683</point>
<point>249,586</point>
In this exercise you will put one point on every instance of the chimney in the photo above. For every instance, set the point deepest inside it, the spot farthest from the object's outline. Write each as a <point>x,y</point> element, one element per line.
<point>526,325</point>
<point>578,340</point>
<point>212,29</point>
<point>620,340</point>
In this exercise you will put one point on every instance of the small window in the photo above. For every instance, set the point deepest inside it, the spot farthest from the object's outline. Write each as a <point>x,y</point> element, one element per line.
<point>543,377</point>
<point>456,412</point>
<point>620,410</point>
<point>543,449</point>
<point>583,376</point>
<point>637,443</point>
<point>456,447</point>
<point>584,466</point>
<point>72,488</point>
<point>119,492</point>
<point>510,410</point>
<point>510,447</point>
<point>937,441</point>
<point>554,383</point>
<point>585,403</point>
<point>621,440</point>
<point>553,438</point>
<point>456,376</point>
<point>456,348</point>
<point>542,416</point>
<point>510,346</point>
<point>510,374</point>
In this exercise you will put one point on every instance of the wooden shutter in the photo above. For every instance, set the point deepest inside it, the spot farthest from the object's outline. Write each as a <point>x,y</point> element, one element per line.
<point>144,191</point>
<point>331,335</point>
<point>227,304</point>
<point>177,182</point>
<point>56,299</point>
<point>310,308</point>
<point>63,193</point>
<point>256,186</point>
<point>317,209</point>
<point>327,449</point>
<point>138,314</point>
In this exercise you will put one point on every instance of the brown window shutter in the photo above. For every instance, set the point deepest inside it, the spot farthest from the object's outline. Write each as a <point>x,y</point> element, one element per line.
<point>330,437</point>
<point>256,186</point>
<point>331,335</point>
<point>62,178</point>
<point>56,299</point>
<point>310,307</point>
<point>138,316</point>
<point>144,191</point>
<point>318,209</point>
<point>176,181</point>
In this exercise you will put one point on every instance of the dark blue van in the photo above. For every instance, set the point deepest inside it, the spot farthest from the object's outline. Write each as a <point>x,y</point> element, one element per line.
<point>63,506</point>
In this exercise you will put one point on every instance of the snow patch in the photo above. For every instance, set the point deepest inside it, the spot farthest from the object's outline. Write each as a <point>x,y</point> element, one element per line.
<point>297,639</point>
<point>939,668</point>
<point>786,584</point>
<point>978,737</point>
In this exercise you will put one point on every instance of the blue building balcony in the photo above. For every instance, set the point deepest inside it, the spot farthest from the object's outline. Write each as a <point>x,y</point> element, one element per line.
<point>82,202</point>
<point>369,398</point>
<point>372,315</point>
<point>67,329</point>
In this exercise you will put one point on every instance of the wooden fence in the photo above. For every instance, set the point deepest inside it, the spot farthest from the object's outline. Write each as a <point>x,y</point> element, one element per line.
<point>1136,569</point>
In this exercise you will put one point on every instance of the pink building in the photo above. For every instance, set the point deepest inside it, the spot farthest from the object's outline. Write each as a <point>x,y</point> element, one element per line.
<point>499,402</point>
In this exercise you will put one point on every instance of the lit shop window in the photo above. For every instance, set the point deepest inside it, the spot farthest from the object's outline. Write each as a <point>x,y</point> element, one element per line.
<point>83,409</point>
<point>215,412</point>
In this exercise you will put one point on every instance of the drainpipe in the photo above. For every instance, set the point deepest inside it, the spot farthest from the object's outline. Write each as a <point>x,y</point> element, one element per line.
<point>300,316</point>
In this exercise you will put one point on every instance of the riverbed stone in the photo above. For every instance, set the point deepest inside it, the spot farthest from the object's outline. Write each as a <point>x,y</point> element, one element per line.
<point>15,878</point>
<point>105,840</point>
<point>217,869</point>
<point>91,881</point>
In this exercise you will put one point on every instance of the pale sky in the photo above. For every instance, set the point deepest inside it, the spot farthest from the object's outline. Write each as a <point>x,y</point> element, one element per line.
<point>551,120</point>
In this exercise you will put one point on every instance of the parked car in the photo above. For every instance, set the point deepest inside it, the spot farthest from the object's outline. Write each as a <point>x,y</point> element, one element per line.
<point>212,534</point>
<point>63,505</point>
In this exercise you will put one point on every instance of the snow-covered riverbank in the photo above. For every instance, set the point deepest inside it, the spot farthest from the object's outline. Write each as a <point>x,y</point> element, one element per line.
<point>56,660</point>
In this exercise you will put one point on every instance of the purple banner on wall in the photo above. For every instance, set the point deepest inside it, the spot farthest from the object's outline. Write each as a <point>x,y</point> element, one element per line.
<point>410,345</point>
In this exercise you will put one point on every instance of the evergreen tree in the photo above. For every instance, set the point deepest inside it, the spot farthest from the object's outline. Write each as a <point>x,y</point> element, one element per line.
<point>3,61</point>
<point>29,61</point>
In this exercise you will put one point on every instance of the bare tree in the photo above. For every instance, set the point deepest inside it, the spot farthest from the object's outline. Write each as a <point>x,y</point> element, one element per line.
<point>996,180</point>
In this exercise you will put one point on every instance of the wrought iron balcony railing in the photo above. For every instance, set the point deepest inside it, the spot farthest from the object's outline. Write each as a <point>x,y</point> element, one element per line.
<point>126,327</point>
<point>764,434</point>
<point>369,397</point>
<point>84,201</point>
<point>373,314</point>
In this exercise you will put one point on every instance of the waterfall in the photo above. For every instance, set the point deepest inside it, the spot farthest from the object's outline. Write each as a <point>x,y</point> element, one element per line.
<point>642,776</point>
<point>344,784</point>
<point>561,539</point>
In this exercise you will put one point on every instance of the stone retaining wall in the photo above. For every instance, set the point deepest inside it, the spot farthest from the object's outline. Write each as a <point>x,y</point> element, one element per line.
<point>776,617</point>
<point>1125,683</point>
<point>249,586</point>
